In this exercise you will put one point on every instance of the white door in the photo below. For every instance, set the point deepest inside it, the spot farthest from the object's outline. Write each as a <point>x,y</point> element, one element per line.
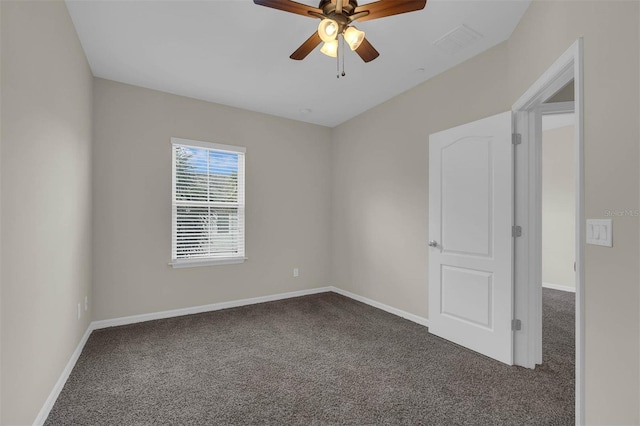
<point>470,220</point>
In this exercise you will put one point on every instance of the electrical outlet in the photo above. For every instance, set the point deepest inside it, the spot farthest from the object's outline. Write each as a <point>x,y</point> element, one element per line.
<point>296,272</point>
<point>86,303</point>
<point>79,311</point>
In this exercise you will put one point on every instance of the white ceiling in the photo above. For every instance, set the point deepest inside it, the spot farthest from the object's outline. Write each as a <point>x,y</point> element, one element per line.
<point>236,53</point>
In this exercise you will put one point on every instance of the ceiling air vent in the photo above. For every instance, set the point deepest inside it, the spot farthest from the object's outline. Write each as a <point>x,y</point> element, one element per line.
<point>457,39</point>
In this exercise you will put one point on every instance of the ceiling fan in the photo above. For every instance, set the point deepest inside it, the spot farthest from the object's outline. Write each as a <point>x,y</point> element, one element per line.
<point>337,17</point>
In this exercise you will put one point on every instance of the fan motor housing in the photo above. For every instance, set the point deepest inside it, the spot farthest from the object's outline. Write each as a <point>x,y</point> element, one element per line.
<point>329,8</point>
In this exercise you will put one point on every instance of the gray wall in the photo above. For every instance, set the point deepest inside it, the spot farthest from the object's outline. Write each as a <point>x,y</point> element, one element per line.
<point>380,191</point>
<point>46,201</point>
<point>287,198</point>
<point>1,297</point>
<point>380,208</point>
<point>0,218</point>
<point>558,206</point>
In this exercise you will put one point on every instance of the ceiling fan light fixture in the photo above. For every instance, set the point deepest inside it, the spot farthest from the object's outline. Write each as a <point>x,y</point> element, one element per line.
<point>328,30</point>
<point>353,37</point>
<point>330,48</point>
<point>336,16</point>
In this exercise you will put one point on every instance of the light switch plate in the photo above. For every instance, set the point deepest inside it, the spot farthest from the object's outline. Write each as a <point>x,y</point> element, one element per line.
<point>600,232</point>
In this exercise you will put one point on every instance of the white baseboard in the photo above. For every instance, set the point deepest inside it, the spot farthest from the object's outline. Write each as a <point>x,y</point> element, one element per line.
<point>57,388</point>
<point>252,301</point>
<point>204,308</point>
<point>395,311</point>
<point>96,325</point>
<point>559,287</point>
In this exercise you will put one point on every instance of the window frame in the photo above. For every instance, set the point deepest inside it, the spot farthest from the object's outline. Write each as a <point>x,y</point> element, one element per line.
<point>207,261</point>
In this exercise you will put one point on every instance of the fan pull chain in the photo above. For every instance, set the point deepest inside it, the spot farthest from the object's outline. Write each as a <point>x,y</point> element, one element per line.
<point>338,59</point>
<point>340,49</point>
<point>343,55</point>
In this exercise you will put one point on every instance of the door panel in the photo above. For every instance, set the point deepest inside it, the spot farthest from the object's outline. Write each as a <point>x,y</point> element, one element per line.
<point>466,295</point>
<point>470,219</point>
<point>466,221</point>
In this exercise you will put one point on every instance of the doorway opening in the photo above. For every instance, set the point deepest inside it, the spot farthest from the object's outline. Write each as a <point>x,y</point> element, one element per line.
<point>558,242</point>
<point>558,228</point>
<point>550,96</point>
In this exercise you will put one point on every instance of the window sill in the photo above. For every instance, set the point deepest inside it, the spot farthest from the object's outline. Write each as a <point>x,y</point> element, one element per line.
<point>206,262</point>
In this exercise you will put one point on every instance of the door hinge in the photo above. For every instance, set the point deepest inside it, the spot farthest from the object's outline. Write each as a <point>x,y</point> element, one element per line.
<point>516,231</point>
<point>516,138</point>
<point>516,325</point>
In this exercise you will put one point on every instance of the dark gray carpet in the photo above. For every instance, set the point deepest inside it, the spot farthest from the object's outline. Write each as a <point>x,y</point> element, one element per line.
<point>321,359</point>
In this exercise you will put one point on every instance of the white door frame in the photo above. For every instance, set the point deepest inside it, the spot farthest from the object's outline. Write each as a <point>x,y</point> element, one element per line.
<point>528,214</point>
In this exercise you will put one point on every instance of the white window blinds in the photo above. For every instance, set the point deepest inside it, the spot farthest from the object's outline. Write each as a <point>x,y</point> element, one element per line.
<point>208,202</point>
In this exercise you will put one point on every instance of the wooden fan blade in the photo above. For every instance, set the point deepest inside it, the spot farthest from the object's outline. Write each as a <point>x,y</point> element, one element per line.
<point>306,47</point>
<point>366,51</point>
<point>383,8</point>
<point>289,6</point>
<point>338,6</point>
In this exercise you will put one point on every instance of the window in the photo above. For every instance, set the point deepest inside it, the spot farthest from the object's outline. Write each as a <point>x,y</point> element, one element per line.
<point>208,203</point>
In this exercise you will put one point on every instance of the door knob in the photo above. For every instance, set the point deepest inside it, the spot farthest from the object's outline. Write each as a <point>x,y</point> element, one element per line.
<point>433,243</point>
